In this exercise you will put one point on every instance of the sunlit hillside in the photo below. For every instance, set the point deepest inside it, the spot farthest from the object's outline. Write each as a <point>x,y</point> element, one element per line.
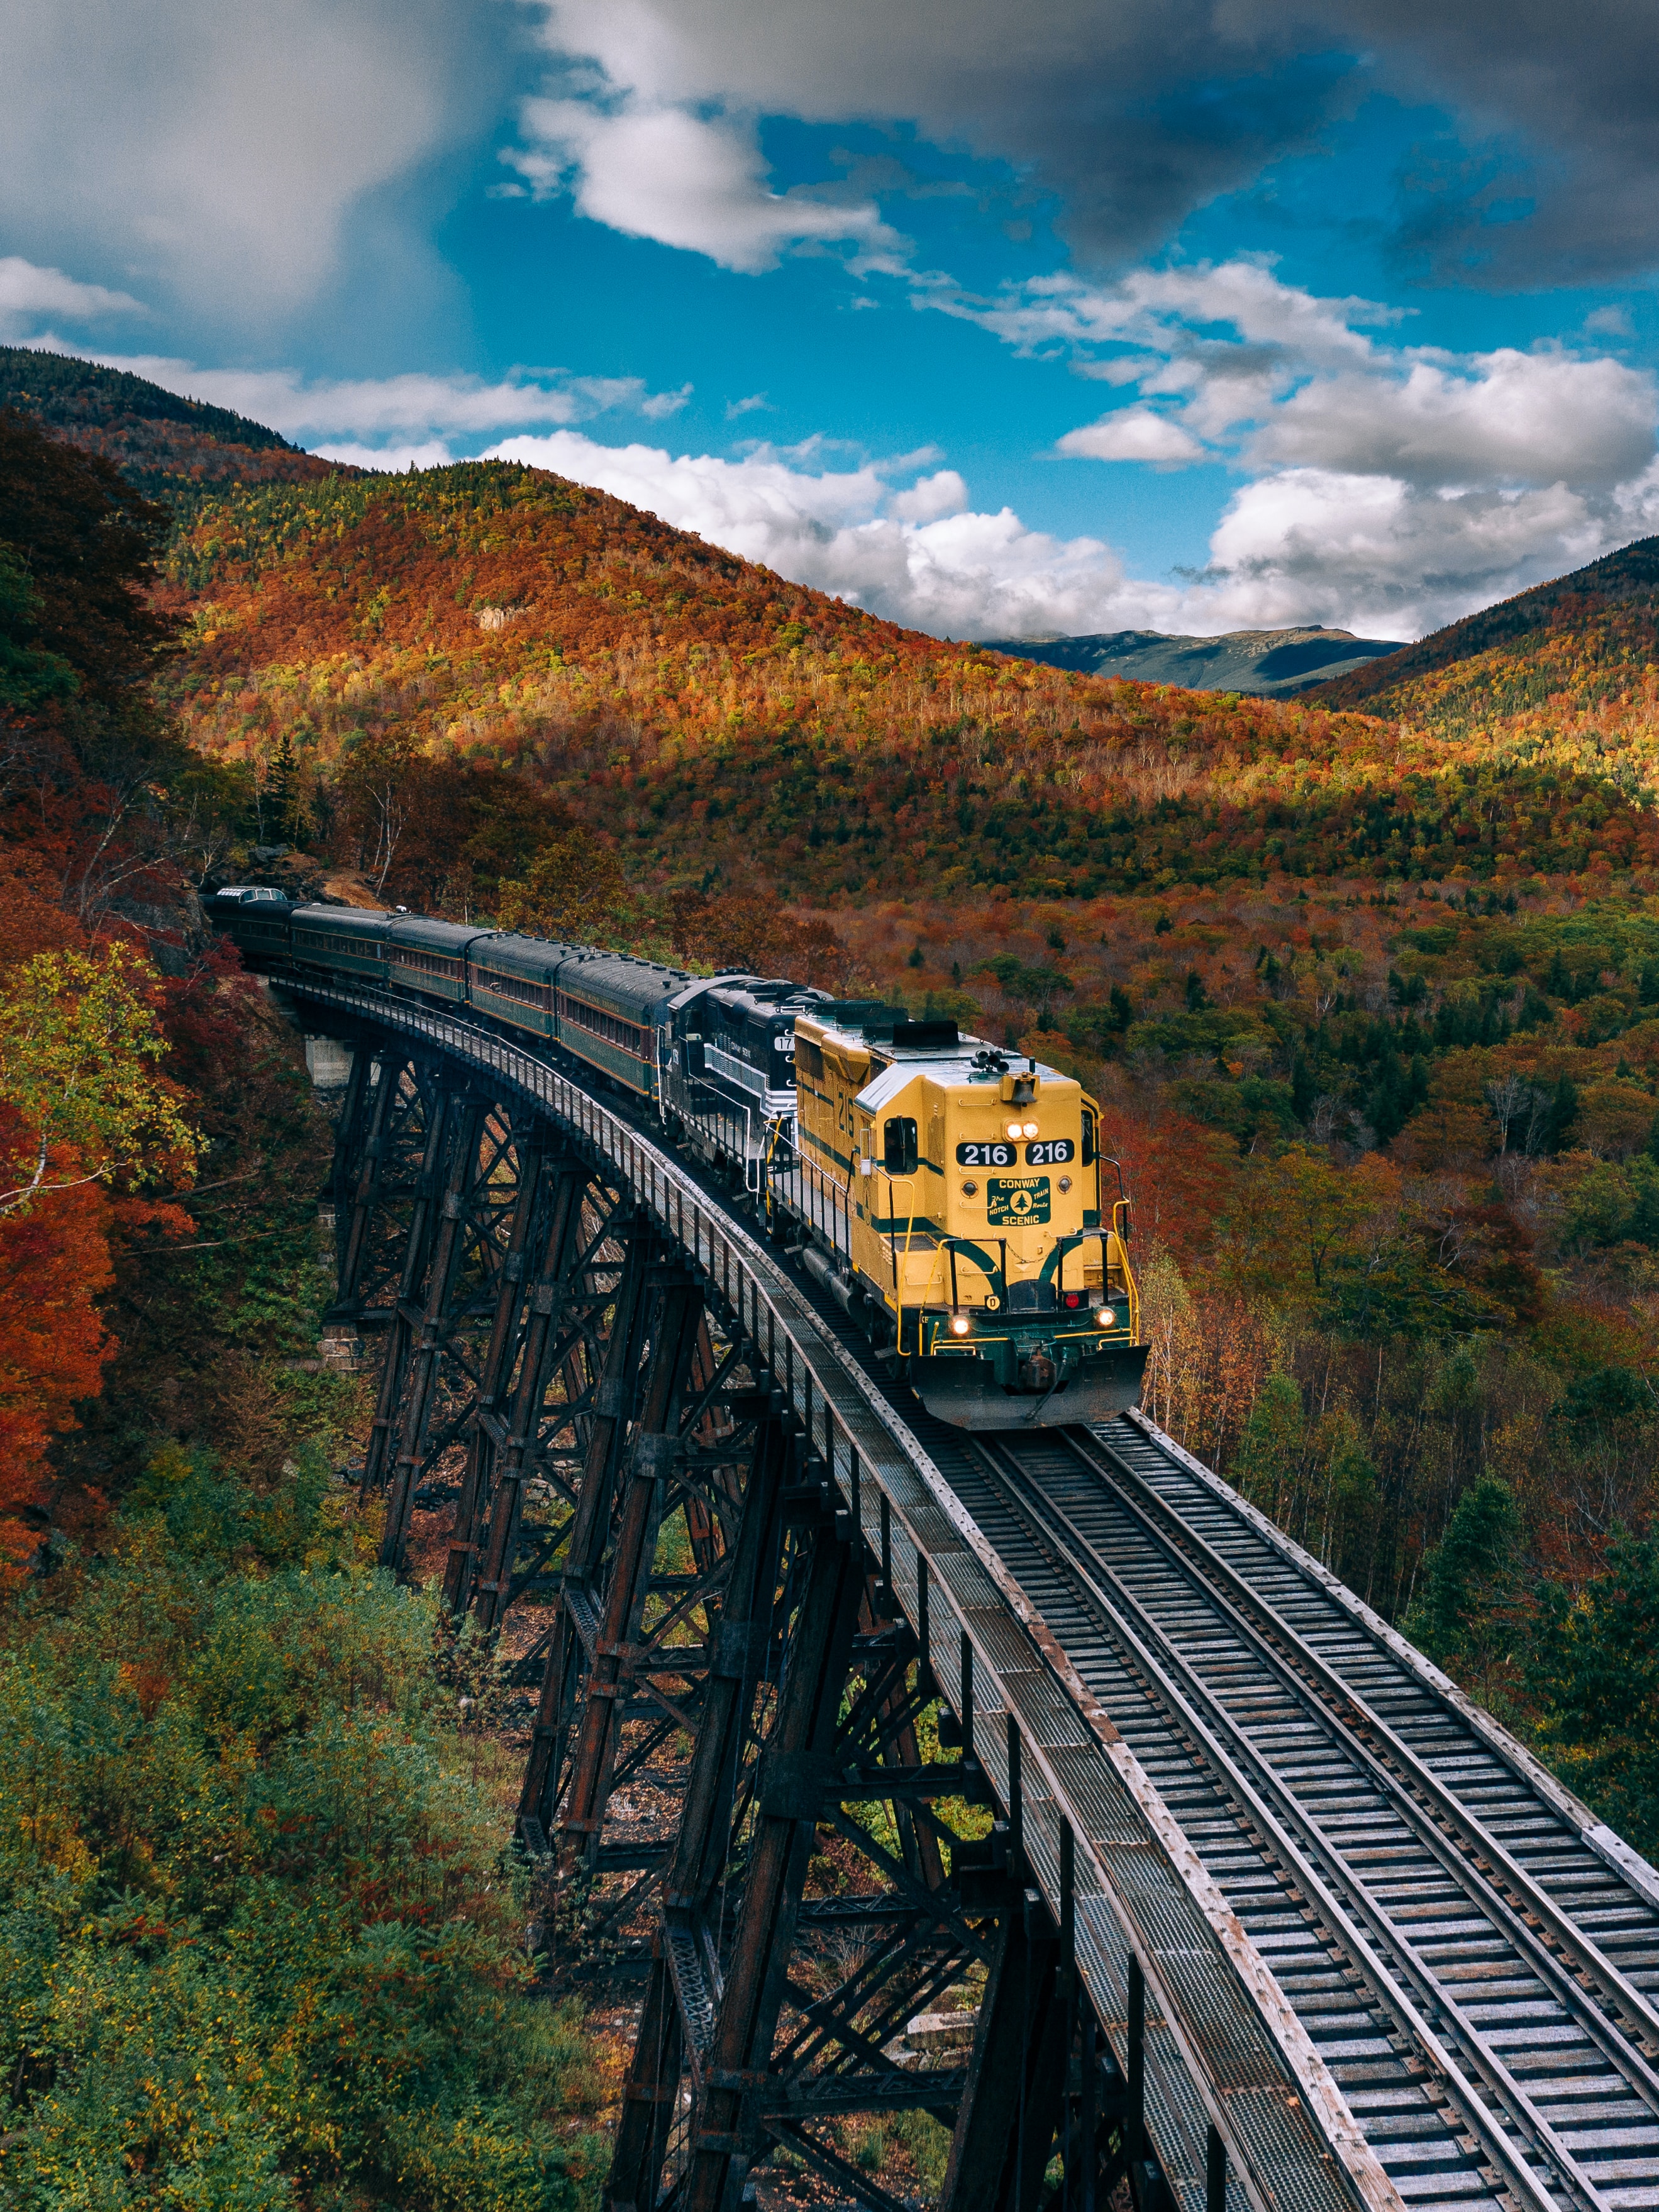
<point>1565,673</point>
<point>703,713</point>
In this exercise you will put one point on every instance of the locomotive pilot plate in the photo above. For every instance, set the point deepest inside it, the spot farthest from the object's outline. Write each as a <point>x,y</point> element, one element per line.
<point>1017,1202</point>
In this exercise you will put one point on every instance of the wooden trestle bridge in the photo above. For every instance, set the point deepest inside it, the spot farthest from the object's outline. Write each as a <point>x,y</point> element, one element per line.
<point>1244,1902</point>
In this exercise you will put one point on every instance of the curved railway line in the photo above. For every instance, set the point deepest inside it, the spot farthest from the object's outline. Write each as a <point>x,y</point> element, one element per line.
<point>1384,1952</point>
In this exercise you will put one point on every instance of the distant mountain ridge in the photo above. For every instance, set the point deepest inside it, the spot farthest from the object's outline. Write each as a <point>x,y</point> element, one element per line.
<point>171,449</point>
<point>1263,664</point>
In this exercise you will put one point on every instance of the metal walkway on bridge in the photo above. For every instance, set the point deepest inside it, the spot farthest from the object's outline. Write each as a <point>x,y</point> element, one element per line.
<point>1268,1910</point>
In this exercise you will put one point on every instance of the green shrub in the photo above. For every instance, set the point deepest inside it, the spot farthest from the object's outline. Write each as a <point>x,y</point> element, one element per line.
<point>259,1944</point>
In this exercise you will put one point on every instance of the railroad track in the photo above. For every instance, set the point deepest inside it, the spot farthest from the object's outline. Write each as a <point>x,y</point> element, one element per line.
<point>1481,1982</point>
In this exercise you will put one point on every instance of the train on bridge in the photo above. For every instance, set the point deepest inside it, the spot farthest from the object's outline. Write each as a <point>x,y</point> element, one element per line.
<point>949,1196</point>
<point>1270,1917</point>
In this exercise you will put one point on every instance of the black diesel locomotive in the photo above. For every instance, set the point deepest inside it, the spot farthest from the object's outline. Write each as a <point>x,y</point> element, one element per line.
<point>947,1195</point>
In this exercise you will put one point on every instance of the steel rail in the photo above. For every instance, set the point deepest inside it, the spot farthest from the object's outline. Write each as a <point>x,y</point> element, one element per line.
<point>1611,2113</point>
<point>1274,1809</point>
<point>1389,1643</point>
<point>1621,2049</point>
<point>1256,2074</point>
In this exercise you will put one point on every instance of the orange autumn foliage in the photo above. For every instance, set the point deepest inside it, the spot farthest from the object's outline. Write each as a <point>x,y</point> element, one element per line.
<point>57,1255</point>
<point>55,1264</point>
<point>1210,1357</point>
<point>1177,1176</point>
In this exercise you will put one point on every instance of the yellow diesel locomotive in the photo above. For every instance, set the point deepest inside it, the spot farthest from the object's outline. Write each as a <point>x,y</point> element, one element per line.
<point>947,1195</point>
<point>951,1200</point>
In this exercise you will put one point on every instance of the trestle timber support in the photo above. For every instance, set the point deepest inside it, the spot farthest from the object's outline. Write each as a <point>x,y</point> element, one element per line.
<point>746,2042</point>
<point>359,1153</point>
<point>505,1435</point>
<point>425,1338</point>
<point>651,1539</point>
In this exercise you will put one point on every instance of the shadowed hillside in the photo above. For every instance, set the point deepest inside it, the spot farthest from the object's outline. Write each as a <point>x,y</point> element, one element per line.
<point>169,448</point>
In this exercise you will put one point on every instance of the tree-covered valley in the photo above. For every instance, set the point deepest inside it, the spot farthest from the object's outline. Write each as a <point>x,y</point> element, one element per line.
<point>1367,983</point>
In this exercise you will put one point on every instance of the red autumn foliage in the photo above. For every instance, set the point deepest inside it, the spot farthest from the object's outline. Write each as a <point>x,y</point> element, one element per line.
<point>55,1264</point>
<point>31,920</point>
<point>736,930</point>
<point>59,1257</point>
<point>1177,1176</point>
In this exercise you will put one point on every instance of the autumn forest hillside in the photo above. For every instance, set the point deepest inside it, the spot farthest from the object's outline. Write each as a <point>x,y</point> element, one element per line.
<point>701,711</point>
<point>1367,981</point>
<point>167,447</point>
<point>1564,673</point>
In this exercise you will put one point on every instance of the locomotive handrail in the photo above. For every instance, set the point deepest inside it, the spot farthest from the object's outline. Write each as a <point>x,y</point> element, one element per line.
<point>1255,2073</point>
<point>996,1279</point>
<point>1118,1234</point>
<point>909,1181</point>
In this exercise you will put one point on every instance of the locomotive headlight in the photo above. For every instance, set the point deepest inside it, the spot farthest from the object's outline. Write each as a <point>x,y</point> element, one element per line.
<point>1029,1128</point>
<point>1015,1128</point>
<point>1105,1318</point>
<point>959,1324</point>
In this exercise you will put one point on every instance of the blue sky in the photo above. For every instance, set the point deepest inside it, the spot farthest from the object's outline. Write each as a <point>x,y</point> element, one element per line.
<point>1185,315</point>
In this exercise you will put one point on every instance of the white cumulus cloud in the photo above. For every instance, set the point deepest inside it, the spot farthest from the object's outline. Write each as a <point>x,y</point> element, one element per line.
<point>1502,418</point>
<point>917,556</point>
<point>646,141</point>
<point>413,413</point>
<point>1369,554</point>
<point>26,293</point>
<point>1133,433</point>
<point>652,169</point>
<point>931,498</point>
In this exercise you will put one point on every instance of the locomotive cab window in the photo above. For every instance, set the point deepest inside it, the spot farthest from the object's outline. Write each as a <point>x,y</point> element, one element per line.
<point>1088,1140</point>
<point>899,1152</point>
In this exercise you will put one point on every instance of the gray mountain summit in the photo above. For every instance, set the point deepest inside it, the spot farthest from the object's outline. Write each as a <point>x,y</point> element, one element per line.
<point>1268,663</point>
